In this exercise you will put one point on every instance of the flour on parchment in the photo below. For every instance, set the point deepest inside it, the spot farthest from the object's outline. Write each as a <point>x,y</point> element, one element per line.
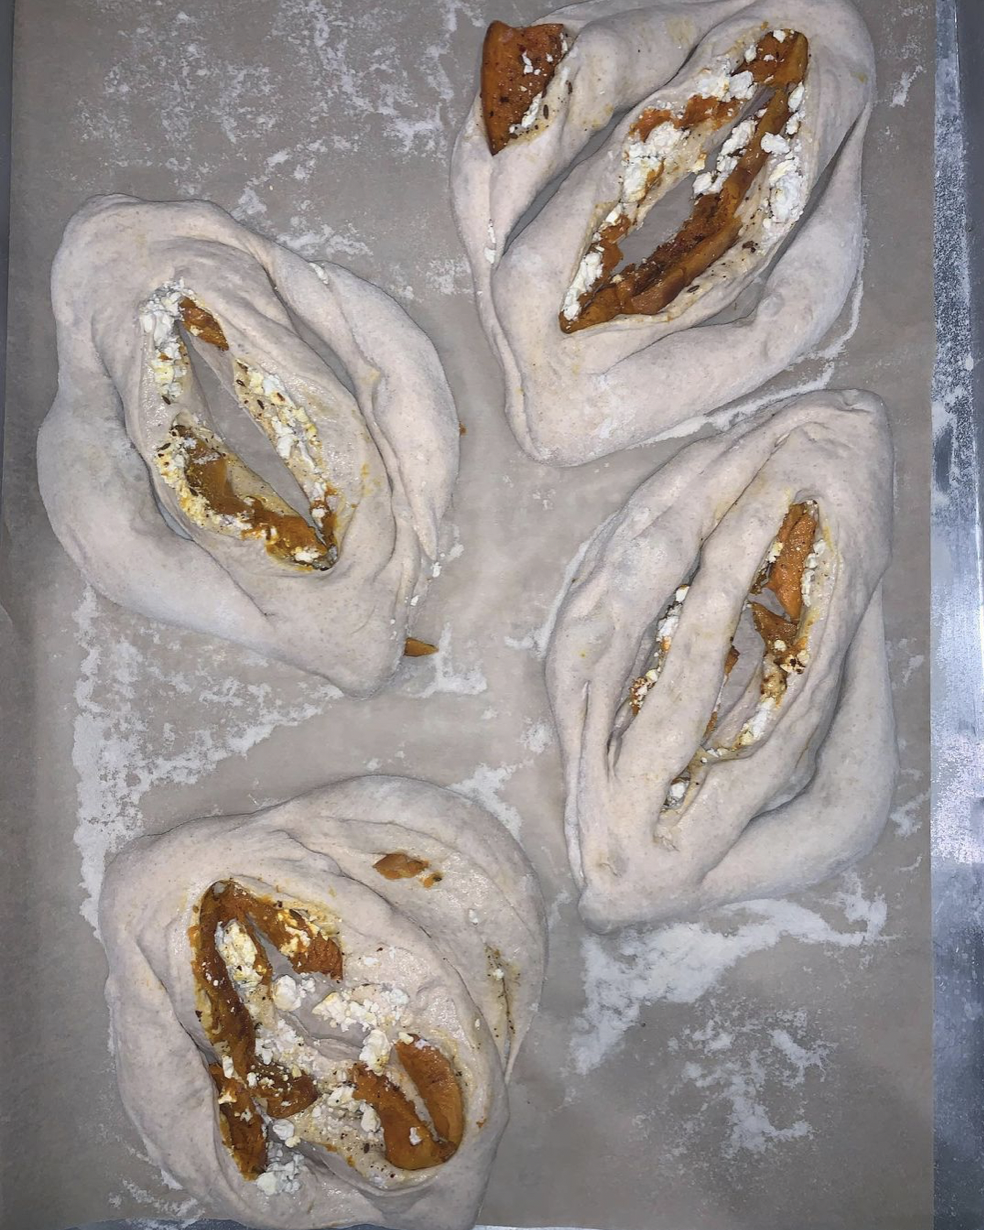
<point>120,752</point>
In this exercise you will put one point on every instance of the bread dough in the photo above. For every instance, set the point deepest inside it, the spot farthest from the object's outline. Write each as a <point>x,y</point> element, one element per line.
<point>439,923</point>
<point>694,779</point>
<point>165,516</point>
<point>572,397</point>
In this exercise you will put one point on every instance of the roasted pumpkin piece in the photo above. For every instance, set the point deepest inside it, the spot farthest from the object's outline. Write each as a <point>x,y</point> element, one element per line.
<point>518,63</point>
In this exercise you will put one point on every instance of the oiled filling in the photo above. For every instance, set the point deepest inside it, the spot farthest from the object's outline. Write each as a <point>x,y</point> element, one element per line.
<point>773,73</point>
<point>518,63</point>
<point>214,488</point>
<point>788,573</point>
<point>274,1091</point>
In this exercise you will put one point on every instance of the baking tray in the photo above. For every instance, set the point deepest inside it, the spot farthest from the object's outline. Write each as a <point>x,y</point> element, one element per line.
<point>52,803</point>
<point>957,648</point>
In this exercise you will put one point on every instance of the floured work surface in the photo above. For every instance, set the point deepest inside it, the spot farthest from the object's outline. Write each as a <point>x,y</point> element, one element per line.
<point>765,1065</point>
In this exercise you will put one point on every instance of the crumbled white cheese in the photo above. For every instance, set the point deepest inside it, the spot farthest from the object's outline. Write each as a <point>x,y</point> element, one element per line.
<point>719,82</point>
<point>787,192</point>
<point>713,82</point>
<point>238,952</point>
<point>795,110</point>
<point>415,1136</point>
<point>228,1069</point>
<point>159,317</point>
<point>286,994</point>
<point>727,158</point>
<point>644,160</point>
<point>527,65</point>
<point>741,86</point>
<point>370,1120</point>
<point>676,792</point>
<point>287,425</point>
<point>665,631</point>
<point>588,272</point>
<point>498,974</point>
<point>280,1176</point>
<point>341,1095</point>
<point>755,727</point>
<point>773,143</point>
<point>779,35</point>
<point>810,566</point>
<point>375,1050</point>
<point>529,117</point>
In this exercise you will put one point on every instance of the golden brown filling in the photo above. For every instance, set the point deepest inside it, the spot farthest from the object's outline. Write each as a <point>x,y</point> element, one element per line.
<point>713,227</point>
<point>518,63</point>
<point>241,1127</point>
<point>410,1143</point>
<point>202,324</point>
<point>785,641</point>
<point>784,637</point>
<point>398,865</point>
<point>215,488</point>
<point>229,914</point>
<point>214,484</point>
<point>227,1021</point>
<point>418,649</point>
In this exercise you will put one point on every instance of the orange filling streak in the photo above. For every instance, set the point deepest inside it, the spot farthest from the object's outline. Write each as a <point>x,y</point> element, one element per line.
<point>398,865</point>
<point>510,82</point>
<point>648,287</point>
<point>211,473</point>
<point>228,1023</point>
<point>202,324</point>
<point>418,649</point>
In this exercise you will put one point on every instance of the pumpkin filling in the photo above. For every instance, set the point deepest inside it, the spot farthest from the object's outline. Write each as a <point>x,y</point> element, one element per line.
<point>393,1104</point>
<point>213,487</point>
<point>518,63</point>
<point>398,865</point>
<point>789,573</point>
<point>767,82</point>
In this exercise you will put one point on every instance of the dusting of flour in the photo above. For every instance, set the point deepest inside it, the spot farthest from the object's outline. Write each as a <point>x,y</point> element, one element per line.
<point>682,962</point>
<point>120,752</point>
<point>484,786</point>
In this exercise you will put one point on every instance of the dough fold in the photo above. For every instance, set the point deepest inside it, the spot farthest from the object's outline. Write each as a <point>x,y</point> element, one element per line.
<point>205,462</point>
<point>718,671</point>
<point>315,1008</point>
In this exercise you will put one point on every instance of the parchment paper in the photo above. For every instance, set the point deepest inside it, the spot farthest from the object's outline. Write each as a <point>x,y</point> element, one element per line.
<point>764,1067</point>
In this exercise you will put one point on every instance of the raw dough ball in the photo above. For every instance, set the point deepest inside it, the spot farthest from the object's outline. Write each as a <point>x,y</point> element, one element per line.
<point>299,523</point>
<point>718,673</point>
<point>315,1007</point>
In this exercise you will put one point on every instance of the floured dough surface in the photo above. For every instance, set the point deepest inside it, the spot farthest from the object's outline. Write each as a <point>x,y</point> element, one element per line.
<point>244,443</point>
<point>718,673</point>
<point>726,194</point>
<point>315,1008</point>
